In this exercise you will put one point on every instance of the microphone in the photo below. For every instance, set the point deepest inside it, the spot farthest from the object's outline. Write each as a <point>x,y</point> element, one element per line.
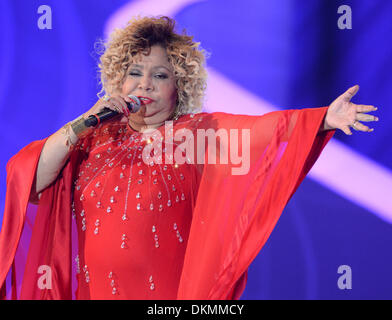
<point>107,113</point>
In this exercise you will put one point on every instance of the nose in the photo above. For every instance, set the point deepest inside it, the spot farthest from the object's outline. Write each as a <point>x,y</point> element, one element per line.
<point>146,83</point>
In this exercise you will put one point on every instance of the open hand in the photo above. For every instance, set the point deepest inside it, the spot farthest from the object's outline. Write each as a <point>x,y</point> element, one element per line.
<point>343,114</point>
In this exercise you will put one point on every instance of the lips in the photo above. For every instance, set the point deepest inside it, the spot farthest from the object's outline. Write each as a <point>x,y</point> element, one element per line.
<point>146,100</point>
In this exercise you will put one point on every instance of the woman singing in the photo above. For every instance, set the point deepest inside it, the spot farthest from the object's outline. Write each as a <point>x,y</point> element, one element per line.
<point>143,206</point>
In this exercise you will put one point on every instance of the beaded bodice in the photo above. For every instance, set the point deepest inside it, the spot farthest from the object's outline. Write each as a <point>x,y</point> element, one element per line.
<point>133,217</point>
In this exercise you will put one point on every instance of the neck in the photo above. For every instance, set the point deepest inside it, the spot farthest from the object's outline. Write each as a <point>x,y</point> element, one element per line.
<point>142,127</point>
<point>145,127</point>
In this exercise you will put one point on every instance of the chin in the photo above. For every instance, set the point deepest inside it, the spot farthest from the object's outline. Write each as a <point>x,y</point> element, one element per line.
<point>158,113</point>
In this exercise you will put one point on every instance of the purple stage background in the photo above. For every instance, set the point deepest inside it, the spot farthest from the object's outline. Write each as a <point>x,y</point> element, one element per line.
<point>264,56</point>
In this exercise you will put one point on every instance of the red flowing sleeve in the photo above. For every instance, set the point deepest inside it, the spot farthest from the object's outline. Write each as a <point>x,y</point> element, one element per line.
<point>36,235</point>
<point>235,214</point>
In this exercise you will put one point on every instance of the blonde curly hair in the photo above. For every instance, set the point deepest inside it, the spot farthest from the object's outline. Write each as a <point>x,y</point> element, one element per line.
<point>184,54</point>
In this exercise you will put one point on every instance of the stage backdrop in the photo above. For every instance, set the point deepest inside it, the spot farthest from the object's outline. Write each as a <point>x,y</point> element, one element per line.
<point>263,56</point>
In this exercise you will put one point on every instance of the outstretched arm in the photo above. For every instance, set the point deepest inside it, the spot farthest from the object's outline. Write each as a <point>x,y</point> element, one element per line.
<point>343,114</point>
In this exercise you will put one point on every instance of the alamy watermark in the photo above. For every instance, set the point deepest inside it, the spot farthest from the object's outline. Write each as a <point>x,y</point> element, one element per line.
<point>45,281</point>
<point>225,147</point>
<point>345,281</point>
<point>345,20</point>
<point>45,20</point>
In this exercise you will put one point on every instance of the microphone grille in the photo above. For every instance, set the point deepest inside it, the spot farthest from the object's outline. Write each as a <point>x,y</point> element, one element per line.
<point>136,103</point>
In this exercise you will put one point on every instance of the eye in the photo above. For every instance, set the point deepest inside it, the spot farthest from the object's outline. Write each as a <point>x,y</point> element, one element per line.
<point>161,76</point>
<point>134,74</point>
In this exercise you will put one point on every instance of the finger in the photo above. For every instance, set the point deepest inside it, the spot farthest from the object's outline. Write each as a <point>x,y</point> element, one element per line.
<point>111,104</point>
<point>133,100</point>
<point>127,99</point>
<point>361,127</point>
<point>115,107</point>
<point>126,112</point>
<point>365,108</point>
<point>124,107</point>
<point>347,130</point>
<point>347,96</point>
<point>119,102</point>
<point>119,107</point>
<point>366,117</point>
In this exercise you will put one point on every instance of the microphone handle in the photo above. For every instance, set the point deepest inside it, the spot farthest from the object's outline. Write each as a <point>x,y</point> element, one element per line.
<point>105,114</point>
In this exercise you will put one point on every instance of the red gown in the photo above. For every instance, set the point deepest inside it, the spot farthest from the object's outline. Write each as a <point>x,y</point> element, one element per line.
<point>129,227</point>
<point>133,217</point>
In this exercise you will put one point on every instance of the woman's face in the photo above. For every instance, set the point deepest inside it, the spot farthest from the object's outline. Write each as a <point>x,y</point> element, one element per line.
<point>151,77</point>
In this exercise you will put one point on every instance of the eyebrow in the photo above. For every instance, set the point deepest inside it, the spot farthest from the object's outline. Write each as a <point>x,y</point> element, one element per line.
<point>156,67</point>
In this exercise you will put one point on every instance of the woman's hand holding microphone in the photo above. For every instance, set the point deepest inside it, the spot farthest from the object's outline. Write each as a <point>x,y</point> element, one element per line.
<point>77,129</point>
<point>116,103</point>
